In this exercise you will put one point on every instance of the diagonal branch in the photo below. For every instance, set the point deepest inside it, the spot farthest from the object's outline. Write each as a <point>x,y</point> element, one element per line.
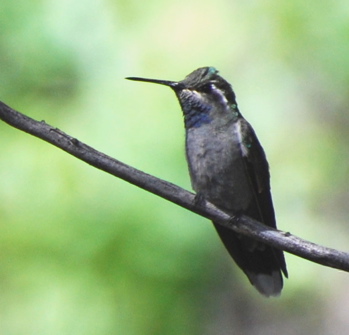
<point>242,225</point>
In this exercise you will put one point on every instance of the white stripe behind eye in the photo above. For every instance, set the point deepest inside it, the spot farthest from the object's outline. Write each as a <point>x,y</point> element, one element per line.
<point>220,93</point>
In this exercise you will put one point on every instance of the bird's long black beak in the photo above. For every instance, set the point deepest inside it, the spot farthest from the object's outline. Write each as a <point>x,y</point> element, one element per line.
<point>172,84</point>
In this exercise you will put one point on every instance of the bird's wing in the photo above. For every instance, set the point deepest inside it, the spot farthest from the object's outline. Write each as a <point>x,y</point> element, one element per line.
<point>257,170</point>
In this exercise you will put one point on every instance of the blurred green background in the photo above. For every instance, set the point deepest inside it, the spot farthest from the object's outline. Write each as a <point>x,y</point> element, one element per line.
<point>82,252</point>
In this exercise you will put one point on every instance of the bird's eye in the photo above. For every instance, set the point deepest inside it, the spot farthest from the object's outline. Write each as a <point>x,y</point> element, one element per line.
<point>207,88</point>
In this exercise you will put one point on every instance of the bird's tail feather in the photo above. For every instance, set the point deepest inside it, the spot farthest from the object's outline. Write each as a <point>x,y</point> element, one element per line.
<point>262,264</point>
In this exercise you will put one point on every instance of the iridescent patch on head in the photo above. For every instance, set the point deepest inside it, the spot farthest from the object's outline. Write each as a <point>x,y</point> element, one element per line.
<point>200,76</point>
<point>212,70</point>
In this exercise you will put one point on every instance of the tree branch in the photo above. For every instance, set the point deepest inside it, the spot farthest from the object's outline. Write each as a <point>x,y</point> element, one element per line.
<point>242,225</point>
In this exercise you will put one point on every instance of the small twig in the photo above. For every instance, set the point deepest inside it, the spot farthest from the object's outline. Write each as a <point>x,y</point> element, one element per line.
<point>243,225</point>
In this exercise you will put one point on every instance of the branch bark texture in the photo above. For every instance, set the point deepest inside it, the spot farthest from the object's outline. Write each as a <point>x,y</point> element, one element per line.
<point>242,224</point>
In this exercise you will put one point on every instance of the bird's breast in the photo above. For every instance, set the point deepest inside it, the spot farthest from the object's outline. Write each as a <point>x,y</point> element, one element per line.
<point>217,167</point>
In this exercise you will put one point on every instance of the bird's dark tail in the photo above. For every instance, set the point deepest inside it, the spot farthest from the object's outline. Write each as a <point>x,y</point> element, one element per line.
<point>262,264</point>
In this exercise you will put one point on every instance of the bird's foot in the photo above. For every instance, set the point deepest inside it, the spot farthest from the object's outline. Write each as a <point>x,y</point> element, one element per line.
<point>199,199</point>
<point>235,218</point>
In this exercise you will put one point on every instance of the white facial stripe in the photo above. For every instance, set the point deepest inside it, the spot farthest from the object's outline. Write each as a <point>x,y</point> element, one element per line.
<point>217,91</point>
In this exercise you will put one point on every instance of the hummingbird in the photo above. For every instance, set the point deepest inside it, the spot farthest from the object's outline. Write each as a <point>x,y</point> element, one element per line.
<point>228,167</point>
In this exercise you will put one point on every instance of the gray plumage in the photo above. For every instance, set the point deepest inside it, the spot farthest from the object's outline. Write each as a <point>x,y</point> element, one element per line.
<point>228,167</point>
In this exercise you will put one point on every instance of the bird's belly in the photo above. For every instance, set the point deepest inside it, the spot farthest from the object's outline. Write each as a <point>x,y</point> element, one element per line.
<point>218,172</point>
